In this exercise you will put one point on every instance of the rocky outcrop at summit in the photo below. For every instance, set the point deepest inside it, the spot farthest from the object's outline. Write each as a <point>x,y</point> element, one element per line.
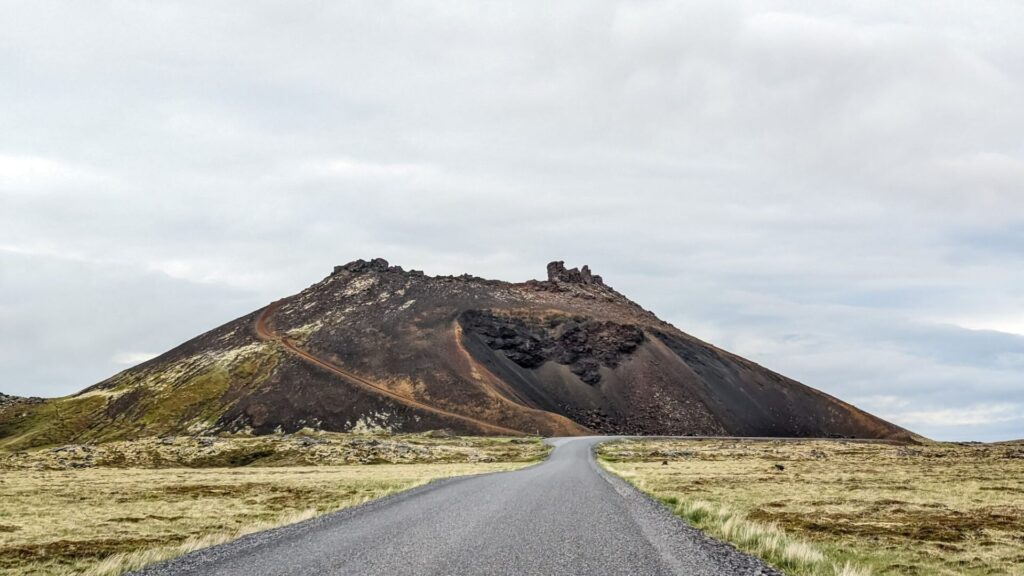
<point>375,265</point>
<point>558,273</point>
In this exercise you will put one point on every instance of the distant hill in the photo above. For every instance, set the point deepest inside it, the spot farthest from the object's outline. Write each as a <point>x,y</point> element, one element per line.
<point>373,346</point>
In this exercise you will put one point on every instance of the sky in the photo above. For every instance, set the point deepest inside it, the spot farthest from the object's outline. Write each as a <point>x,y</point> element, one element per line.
<point>834,190</point>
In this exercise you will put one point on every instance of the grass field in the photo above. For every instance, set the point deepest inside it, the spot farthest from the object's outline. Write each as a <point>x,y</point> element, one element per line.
<point>109,508</point>
<point>819,507</point>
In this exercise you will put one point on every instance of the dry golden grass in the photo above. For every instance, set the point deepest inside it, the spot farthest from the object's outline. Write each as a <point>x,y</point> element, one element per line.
<point>104,520</point>
<point>839,508</point>
<point>122,562</point>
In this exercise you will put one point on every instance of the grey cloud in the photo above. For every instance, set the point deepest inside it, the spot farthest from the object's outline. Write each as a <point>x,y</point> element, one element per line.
<point>68,324</point>
<point>831,189</point>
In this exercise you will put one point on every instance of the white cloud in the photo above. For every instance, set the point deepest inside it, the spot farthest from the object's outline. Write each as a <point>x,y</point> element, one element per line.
<point>883,403</point>
<point>354,169</point>
<point>132,358</point>
<point>1005,322</point>
<point>971,415</point>
<point>25,173</point>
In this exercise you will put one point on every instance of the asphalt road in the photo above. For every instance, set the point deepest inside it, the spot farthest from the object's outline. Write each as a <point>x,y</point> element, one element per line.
<point>563,516</point>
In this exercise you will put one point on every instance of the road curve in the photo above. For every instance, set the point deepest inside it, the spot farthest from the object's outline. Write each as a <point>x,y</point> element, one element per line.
<point>563,516</point>
<point>265,332</point>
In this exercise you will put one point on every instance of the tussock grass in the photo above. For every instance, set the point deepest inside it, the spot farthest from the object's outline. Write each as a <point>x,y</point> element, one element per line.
<point>841,508</point>
<point>764,540</point>
<point>851,570</point>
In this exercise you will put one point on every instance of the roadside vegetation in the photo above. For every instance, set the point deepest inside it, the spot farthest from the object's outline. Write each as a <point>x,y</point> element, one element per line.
<point>108,508</point>
<point>842,508</point>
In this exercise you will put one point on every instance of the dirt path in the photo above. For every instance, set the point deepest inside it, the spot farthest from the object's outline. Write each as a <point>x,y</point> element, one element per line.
<point>265,332</point>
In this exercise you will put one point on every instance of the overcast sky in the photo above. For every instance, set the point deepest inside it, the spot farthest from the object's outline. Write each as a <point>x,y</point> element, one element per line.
<point>834,190</point>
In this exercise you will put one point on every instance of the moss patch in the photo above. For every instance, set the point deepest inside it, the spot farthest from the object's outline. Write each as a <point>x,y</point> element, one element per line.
<point>195,400</point>
<point>185,396</point>
<point>53,422</point>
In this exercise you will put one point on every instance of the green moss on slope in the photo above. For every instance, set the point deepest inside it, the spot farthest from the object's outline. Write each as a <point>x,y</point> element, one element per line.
<point>187,396</point>
<point>53,422</point>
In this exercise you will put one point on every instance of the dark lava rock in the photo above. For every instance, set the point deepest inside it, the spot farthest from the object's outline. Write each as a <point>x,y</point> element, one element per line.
<point>582,344</point>
<point>360,266</point>
<point>558,273</point>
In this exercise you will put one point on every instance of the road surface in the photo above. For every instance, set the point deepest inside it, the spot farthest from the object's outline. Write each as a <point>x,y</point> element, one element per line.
<point>563,516</point>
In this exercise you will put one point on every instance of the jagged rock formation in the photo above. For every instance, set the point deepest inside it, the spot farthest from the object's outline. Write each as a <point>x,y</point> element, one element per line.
<point>581,344</point>
<point>558,273</point>
<point>376,346</point>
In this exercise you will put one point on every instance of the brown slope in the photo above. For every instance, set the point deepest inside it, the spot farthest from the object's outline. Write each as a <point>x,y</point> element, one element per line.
<point>265,332</point>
